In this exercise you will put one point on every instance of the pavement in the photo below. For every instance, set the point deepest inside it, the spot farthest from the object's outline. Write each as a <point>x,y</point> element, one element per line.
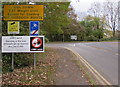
<point>67,70</point>
<point>102,56</point>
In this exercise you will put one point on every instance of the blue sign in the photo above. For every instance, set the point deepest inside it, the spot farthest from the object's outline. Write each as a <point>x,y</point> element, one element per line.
<point>34,28</point>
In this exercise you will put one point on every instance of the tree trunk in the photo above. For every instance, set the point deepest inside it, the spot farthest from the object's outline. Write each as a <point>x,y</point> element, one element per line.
<point>113,32</point>
<point>63,37</point>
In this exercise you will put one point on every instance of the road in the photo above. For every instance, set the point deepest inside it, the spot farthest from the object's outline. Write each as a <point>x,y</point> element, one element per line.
<point>103,56</point>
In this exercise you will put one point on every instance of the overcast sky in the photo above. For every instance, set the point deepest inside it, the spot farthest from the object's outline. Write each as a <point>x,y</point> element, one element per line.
<point>81,6</point>
<point>84,5</point>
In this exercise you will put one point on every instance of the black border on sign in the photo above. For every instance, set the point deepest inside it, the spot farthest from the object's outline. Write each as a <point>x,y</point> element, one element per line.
<point>40,42</point>
<point>43,42</point>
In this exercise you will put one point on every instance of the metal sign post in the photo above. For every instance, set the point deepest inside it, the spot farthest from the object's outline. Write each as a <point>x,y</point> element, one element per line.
<point>13,61</point>
<point>34,60</point>
<point>34,31</point>
<point>13,28</point>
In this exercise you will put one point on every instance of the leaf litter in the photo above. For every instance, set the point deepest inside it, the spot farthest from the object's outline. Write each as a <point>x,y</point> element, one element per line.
<point>42,75</point>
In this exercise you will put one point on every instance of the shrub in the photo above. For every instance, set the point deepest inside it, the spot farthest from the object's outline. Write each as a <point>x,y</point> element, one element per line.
<point>20,60</point>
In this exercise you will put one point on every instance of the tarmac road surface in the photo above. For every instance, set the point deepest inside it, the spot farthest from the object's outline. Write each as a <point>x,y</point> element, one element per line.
<point>103,56</point>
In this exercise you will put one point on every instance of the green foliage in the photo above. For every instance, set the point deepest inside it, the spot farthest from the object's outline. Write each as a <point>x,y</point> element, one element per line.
<point>24,28</point>
<point>94,27</point>
<point>90,38</point>
<point>20,60</point>
<point>73,28</point>
<point>108,33</point>
<point>55,17</point>
<point>46,40</point>
<point>60,31</point>
<point>109,39</point>
<point>6,60</point>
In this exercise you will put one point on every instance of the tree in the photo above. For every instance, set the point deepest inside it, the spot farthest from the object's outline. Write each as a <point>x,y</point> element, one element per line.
<point>95,9</point>
<point>55,17</point>
<point>108,10</point>
<point>94,27</point>
<point>111,14</point>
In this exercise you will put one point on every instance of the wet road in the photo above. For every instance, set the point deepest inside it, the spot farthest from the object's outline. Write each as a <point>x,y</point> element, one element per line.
<point>103,56</point>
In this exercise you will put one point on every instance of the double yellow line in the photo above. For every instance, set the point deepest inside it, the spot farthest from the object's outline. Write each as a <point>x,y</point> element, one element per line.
<point>98,76</point>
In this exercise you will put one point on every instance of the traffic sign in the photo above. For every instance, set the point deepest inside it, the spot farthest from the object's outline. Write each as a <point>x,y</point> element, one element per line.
<point>34,28</point>
<point>36,44</point>
<point>23,12</point>
<point>13,27</point>
<point>74,37</point>
<point>15,44</point>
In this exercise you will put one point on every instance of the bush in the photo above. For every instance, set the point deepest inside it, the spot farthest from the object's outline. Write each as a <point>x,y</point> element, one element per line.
<point>20,60</point>
<point>46,40</point>
<point>91,38</point>
<point>6,60</point>
<point>108,39</point>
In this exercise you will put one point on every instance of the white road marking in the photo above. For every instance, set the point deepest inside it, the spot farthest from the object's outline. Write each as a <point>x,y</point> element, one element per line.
<point>72,45</point>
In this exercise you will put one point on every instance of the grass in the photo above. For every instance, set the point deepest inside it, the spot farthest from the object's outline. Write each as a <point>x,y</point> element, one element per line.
<point>87,73</point>
<point>84,41</point>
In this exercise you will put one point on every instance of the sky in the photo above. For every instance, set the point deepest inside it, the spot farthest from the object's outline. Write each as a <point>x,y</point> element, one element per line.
<point>82,6</point>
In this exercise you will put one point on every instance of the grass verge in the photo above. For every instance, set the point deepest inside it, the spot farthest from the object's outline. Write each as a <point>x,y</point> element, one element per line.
<point>88,75</point>
<point>41,75</point>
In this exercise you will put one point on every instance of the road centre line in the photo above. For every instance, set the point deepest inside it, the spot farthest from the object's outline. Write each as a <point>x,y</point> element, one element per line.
<point>94,71</point>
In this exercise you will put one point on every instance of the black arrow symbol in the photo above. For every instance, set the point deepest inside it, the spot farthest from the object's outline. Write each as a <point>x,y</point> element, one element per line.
<point>12,23</point>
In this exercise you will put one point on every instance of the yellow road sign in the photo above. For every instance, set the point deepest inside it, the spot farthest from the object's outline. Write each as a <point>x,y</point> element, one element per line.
<point>23,12</point>
<point>13,27</point>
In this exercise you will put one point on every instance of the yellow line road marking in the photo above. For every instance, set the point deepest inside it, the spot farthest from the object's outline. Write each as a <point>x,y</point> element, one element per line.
<point>94,71</point>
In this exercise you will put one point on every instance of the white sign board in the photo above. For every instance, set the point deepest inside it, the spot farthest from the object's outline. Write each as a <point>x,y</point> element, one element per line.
<point>22,44</point>
<point>73,37</point>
